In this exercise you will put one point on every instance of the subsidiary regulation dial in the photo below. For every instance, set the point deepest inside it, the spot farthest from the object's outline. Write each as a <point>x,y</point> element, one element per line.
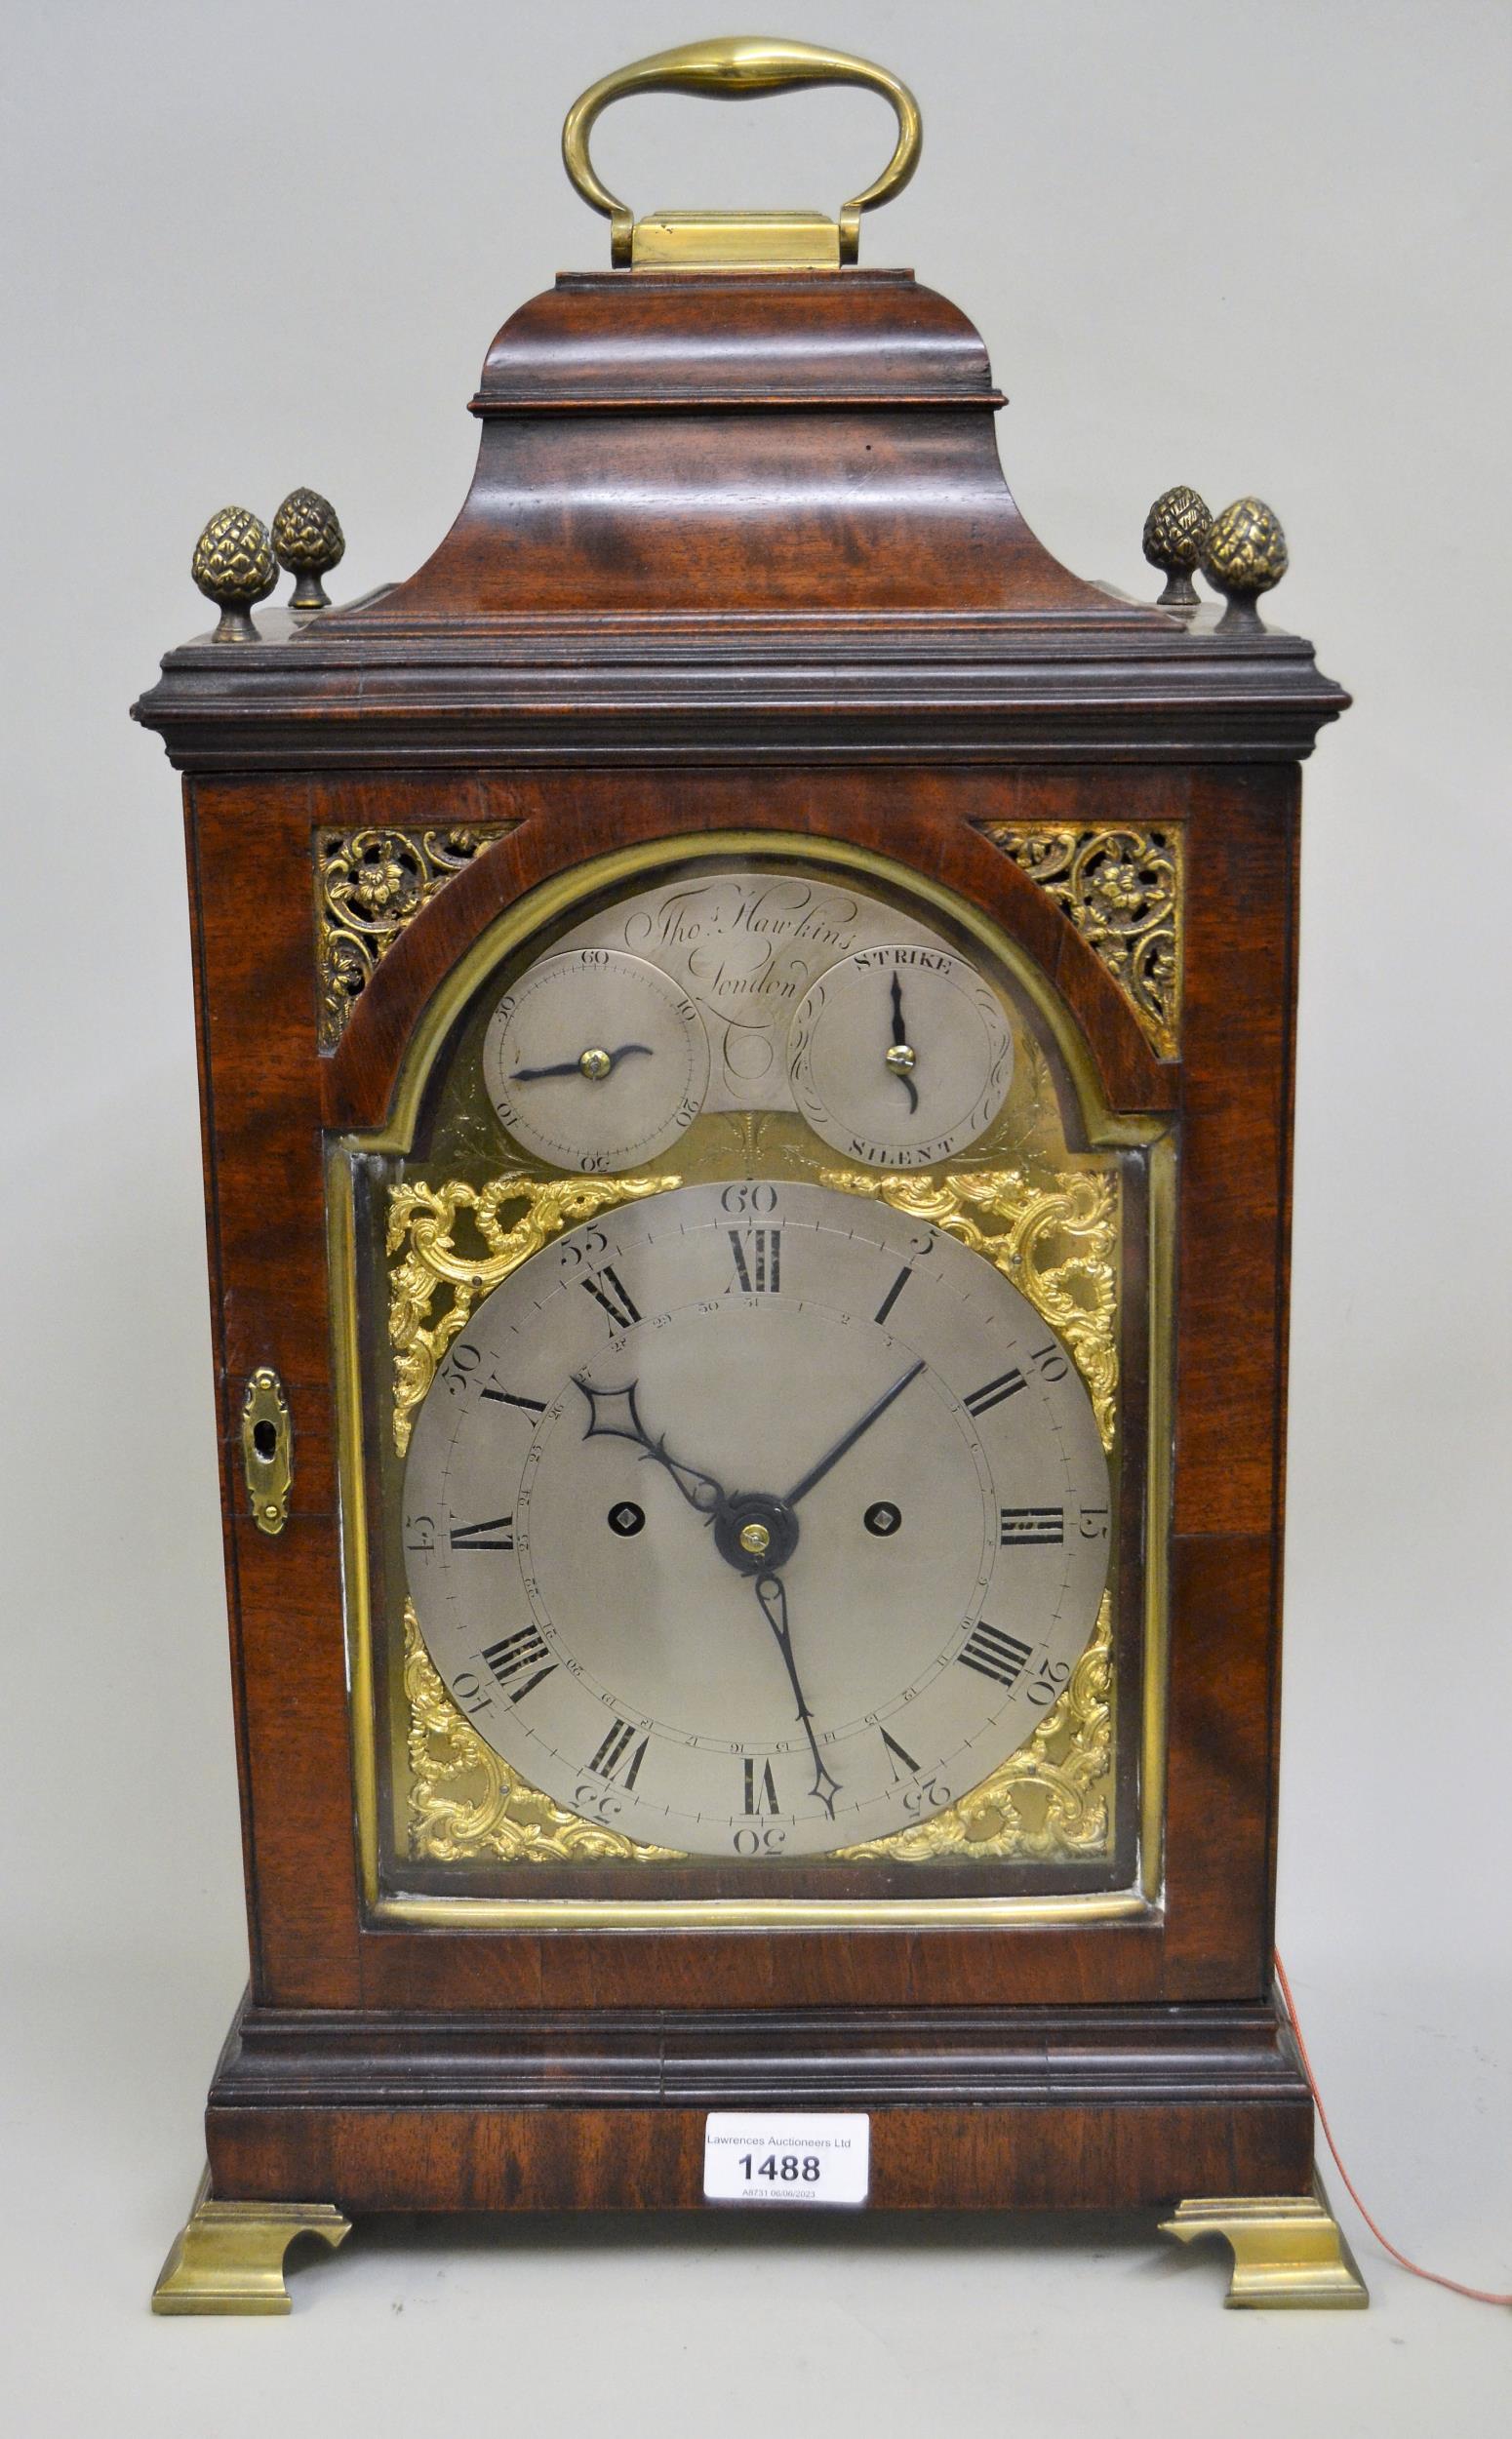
<point>596,1061</point>
<point>900,1056</point>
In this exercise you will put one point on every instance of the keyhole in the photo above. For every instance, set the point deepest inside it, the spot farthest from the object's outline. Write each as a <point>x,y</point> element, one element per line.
<point>265,1439</point>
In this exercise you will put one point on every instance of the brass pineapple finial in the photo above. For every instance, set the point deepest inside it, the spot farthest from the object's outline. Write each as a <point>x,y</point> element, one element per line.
<point>233,564</point>
<point>1176,534</point>
<point>308,541</point>
<point>1246,554</point>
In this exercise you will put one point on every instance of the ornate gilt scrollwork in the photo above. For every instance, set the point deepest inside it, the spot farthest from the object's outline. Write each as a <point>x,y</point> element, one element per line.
<point>369,884</point>
<point>465,1800</point>
<point>1055,1245</point>
<point>1122,890</point>
<point>422,1222</point>
<point>1049,1798</point>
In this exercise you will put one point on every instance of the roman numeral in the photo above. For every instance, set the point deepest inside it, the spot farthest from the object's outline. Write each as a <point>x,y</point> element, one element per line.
<point>994,1653</point>
<point>896,1751</point>
<point>1031,1528</point>
<point>993,1392</point>
<point>762,1275</point>
<point>609,1291</point>
<point>761,1794</point>
<point>612,1752</point>
<point>475,1537</point>
<point>507,1397</point>
<point>892,1293</point>
<point>517,1652</point>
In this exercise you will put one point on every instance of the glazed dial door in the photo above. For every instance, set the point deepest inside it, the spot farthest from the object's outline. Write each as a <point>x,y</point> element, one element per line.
<point>758,1520</point>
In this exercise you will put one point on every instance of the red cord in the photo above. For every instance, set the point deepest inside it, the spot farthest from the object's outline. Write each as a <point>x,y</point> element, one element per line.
<point>1477,2295</point>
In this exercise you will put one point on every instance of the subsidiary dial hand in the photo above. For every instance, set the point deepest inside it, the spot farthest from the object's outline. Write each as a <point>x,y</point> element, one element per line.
<point>700,1490</point>
<point>771,1593</point>
<point>596,1064</point>
<point>848,1440</point>
<point>902,1059</point>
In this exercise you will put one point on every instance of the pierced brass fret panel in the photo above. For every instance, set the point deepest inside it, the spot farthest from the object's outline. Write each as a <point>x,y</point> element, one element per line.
<point>1123,889</point>
<point>369,886</point>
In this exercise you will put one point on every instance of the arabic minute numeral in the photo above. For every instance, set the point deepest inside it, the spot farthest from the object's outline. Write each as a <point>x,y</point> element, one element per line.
<point>1095,1524</point>
<point>1048,1681</point>
<point>470,1693</point>
<point>930,1794</point>
<point>994,1653</point>
<point>1051,1361</point>
<point>588,1245</point>
<point>609,1289</point>
<point>1031,1528</point>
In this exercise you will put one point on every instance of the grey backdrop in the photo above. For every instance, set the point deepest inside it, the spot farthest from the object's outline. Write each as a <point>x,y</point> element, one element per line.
<point>1252,247</point>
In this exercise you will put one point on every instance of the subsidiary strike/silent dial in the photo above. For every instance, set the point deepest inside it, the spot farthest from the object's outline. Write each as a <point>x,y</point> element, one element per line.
<point>900,1056</point>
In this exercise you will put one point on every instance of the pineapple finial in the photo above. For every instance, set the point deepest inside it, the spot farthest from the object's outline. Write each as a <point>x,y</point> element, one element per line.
<point>1246,554</point>
<point>1176,534</point>
<point>233,564</point>
<point>308,540</point>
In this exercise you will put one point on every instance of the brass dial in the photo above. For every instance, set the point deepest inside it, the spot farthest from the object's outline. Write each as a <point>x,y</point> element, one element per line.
<point>754,1522</point>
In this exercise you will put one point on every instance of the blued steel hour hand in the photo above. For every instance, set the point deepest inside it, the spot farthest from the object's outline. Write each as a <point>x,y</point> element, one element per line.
<point>700,1490</point>
<point>595,1065</point>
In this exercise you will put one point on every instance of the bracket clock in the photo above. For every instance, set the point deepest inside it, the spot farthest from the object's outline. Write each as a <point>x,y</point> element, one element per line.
<point>745,1020</point>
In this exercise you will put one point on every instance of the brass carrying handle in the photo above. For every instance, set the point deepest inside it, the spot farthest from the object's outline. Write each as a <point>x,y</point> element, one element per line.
<point>739,68</point>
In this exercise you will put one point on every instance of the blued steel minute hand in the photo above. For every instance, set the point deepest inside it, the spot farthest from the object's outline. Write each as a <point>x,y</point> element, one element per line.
<point>848,1440</point>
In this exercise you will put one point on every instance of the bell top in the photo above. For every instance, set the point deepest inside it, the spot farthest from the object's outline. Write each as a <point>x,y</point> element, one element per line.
<point>744,442</point>
<point>738,478</point>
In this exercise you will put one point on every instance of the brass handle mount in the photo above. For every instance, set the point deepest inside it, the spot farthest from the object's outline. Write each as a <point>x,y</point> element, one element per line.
<point>737,67</point>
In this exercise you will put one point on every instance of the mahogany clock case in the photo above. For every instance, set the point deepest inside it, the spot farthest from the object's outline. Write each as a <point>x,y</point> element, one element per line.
<point>860,647</point>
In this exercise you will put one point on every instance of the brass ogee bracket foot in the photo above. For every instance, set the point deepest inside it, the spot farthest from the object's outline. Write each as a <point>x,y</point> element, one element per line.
<point>1288,2251</point>
<point>229,2255</point>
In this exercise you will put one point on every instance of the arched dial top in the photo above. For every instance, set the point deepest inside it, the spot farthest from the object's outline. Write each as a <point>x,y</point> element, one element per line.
<point>756,1520</point>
